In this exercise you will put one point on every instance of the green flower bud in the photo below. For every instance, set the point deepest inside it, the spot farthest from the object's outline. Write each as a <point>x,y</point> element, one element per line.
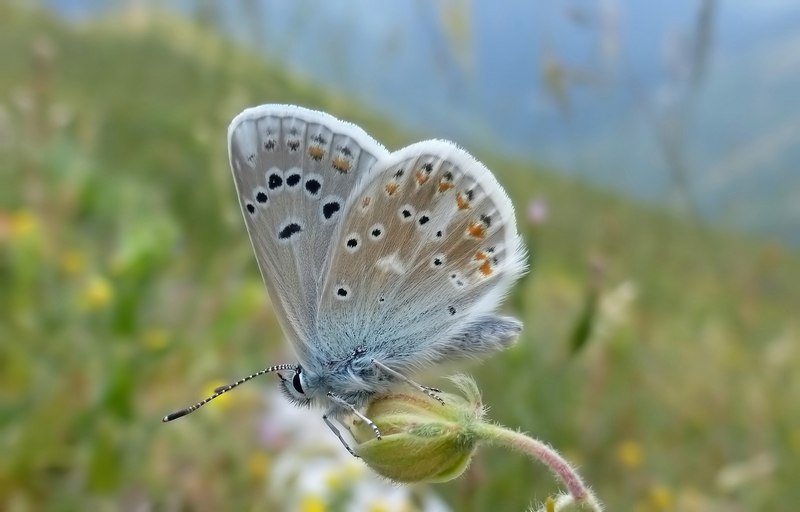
<point>567,503</point>
<point>422,440</point>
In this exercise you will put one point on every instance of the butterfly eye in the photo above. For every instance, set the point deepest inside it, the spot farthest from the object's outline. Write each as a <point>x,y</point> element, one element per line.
<point>297,383</point>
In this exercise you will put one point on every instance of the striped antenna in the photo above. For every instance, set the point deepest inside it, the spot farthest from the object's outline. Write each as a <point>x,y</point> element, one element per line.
<point>224,389</point>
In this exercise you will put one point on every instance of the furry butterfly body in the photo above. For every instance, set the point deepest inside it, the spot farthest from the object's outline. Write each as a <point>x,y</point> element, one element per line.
<point>378,264</point>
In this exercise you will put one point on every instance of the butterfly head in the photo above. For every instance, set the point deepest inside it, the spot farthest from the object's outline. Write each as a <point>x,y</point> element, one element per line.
<point>295,386</point>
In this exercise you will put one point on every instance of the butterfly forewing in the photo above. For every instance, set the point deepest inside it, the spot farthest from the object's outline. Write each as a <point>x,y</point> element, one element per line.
<point>294,170</point>
<point>428,244</point>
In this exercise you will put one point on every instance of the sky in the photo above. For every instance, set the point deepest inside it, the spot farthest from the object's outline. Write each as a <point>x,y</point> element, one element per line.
<point>587,87</point>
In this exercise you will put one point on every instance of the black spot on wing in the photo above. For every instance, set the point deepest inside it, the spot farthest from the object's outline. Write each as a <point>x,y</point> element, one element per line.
<point>292,180</point>
<point>342,292</point>
<point>289,231</point>
<point>329,209</point>
<point>313,186</point>
<point>274,181</point>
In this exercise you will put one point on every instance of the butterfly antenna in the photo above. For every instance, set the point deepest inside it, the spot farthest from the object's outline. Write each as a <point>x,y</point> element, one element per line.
<point>224,389</point>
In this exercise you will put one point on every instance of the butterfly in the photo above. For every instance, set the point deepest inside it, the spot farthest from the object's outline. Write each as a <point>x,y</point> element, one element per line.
<point>378,264</point>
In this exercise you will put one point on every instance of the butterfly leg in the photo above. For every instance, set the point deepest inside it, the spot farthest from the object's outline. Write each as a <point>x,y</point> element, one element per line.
<point>338,434</point>
<point>431,392</point>
<point>347,405</point>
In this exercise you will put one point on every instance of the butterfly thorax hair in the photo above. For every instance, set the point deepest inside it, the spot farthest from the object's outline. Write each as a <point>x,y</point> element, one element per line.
<point>354,379</point>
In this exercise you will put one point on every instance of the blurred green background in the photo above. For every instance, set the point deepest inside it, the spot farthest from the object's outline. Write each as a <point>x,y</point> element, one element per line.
<point>660,352</point>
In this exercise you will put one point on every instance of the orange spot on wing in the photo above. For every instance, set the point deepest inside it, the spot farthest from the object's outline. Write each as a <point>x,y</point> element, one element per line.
<point>316,152</point>
<point>481,256</point>
<point>445,186</point>
<point>476,230</point>
<point>391,188</point>
<point>486,268</point>
<point>462,202</point>
<point>341,164</point>
<point>421,177</point>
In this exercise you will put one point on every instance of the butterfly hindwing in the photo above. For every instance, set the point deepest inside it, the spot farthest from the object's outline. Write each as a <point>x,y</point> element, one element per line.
<point>294,170</point>
<point>428,247</point>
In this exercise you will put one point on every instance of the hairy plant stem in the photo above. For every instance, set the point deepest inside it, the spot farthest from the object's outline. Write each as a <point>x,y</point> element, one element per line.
<point>501,436</point>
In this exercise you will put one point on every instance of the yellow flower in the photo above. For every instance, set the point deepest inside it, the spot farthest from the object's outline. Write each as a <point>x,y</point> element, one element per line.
<point>258,464</point>
<point>155,338</point>
<point>795,441</point>
<point>334,480</point>
<point>313,503</point>
<point>378,506</point>
<point>661,498</point>
<point>22,224</point>
<point>73,262</point>
<point>343,475</point>
<point>630,454</point>
<point>98,293</point>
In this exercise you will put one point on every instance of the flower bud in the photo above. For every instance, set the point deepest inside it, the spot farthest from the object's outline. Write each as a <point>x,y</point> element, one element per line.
<point>422,440</point>
<point>567,503</point>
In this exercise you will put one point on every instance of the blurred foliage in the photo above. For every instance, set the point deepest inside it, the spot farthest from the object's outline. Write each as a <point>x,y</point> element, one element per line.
<point>128,287</point>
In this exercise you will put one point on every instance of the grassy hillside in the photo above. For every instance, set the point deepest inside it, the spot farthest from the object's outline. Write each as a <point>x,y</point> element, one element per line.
<point>127,287</point>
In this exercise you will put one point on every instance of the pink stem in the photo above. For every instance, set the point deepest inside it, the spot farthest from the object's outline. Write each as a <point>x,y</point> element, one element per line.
<point>541,451</point>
